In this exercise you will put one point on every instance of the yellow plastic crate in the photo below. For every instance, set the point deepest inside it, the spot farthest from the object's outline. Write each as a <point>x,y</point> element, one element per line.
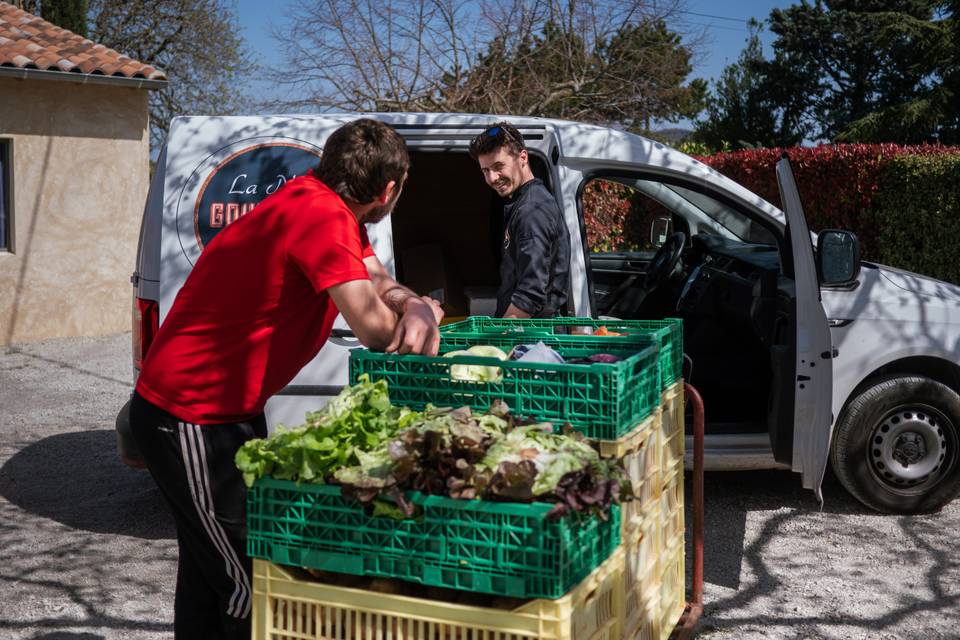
<point>655,600</point>
<point>671,508</point>
<point>642,545</point>
<point>672,450</point>
<point>642,611</point>
<point>644,626</point>
<point>650,452</point>
<point>672,424</point>
<point>288,607</point>
<point>672,595</point>
<point>641,455</point>
<point>637,438</point>
<point>653,524</point>
<point>673,487</point>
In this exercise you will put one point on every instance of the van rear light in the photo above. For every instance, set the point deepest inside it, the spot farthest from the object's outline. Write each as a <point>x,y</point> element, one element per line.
<point>146,322</point>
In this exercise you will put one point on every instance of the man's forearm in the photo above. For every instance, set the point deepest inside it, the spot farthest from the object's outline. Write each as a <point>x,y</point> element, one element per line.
<point>395,296</point>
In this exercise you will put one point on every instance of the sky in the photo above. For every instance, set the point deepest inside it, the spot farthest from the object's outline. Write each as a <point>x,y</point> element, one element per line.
<point>724,25</point>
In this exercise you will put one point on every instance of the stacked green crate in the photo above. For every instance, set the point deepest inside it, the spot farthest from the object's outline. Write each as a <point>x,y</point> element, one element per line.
<point>602,400</point>
<point>507,332</point>
<point>501,548</point>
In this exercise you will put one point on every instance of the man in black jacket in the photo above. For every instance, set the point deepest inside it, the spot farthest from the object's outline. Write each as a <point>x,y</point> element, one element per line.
<point>535,262</point>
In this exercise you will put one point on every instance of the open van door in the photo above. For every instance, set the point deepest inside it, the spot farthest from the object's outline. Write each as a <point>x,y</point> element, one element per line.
<point>813,384</point>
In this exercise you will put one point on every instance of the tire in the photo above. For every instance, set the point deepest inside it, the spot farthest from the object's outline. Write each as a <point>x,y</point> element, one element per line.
<point>896,447</point>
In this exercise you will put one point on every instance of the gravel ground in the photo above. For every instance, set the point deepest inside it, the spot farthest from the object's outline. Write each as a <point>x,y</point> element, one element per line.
<point>87,550</point>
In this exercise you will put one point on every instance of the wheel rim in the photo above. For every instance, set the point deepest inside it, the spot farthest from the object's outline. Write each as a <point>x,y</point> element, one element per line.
<point>912,448</point>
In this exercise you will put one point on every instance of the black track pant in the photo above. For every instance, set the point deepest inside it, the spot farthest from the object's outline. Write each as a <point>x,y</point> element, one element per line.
<point>193,466</point>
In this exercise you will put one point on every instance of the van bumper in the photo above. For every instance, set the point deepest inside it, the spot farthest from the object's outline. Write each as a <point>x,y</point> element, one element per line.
<point>127,447</point>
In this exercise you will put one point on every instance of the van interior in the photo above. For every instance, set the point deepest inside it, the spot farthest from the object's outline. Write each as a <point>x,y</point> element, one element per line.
<point>447,231</point>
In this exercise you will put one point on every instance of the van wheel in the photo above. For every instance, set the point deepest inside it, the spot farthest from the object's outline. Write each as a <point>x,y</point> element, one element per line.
<point>896,447</point>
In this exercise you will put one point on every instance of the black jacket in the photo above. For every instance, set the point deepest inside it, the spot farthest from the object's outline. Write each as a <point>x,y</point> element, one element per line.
<point>535,260</point>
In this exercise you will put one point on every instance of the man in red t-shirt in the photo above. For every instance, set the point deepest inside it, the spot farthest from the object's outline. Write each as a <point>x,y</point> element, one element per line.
<point>258,305</point>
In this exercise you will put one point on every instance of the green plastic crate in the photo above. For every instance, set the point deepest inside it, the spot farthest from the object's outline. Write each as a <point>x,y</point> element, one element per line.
<point>507,332</point>
<point>602,401</point>
<point>501,548</point>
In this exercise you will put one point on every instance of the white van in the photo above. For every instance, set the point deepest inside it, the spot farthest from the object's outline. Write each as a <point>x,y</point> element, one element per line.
<point>800,351</point>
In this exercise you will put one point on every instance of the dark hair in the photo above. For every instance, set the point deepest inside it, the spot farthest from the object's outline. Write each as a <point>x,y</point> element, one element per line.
<point>360,158</point>
<point>502,134</point>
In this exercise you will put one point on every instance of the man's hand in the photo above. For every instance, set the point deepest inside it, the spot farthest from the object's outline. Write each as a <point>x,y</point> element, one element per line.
<point>417,330</point>
<point>514,311</point>
<point>437,309</point>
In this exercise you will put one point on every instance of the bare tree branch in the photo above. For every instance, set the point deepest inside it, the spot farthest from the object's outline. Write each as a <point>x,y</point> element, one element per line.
<point>609,60</point>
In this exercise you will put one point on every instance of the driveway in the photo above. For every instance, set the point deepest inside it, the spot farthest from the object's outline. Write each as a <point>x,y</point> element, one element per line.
<point>87,550</point>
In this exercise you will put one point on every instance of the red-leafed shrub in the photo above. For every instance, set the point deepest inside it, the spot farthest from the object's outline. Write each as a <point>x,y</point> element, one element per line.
<point>617,218</point>
<point>606,206</point>
<point>837,183</point>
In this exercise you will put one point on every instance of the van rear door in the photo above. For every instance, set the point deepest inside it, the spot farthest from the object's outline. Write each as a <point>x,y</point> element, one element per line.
<point>812,387</point>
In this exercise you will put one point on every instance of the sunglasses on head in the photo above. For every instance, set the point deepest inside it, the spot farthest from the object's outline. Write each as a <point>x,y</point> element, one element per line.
<point>496,131</point>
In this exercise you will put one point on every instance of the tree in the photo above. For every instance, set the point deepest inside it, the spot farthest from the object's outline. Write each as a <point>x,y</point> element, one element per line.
<point>935,112</point>
<point>631,77</point>
<point>195,42</point>
<point>69,14</point>
<point>740,113</point>
<point>598,60</point>
<point>30,6</point>
<point>845,60</point>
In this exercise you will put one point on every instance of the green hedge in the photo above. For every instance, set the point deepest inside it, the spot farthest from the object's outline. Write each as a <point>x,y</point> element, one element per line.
<point>917,212</point>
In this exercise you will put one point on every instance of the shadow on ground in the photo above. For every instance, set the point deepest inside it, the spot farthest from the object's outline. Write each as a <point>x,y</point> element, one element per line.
<point>78,480</point>
<point>730,496</point>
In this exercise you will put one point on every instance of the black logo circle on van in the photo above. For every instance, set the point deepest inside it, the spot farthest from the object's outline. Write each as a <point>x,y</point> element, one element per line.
<point>242,181</point>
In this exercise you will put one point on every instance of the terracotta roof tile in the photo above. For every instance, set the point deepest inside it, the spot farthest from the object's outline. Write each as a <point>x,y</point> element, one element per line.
<point>29,42</point>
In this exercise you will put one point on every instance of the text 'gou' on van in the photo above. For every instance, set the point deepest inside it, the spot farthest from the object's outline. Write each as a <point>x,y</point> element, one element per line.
<point>802,353</point>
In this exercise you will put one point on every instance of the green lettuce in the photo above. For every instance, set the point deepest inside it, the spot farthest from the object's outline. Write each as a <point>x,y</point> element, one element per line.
<point>356,421</point>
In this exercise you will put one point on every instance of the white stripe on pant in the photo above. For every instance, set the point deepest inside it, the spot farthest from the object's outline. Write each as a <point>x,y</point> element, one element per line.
<point>195,461</point>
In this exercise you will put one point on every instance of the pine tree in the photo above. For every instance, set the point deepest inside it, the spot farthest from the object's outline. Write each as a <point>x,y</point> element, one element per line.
<point>68,14</point>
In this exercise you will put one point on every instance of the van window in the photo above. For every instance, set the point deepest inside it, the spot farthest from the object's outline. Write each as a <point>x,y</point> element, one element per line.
<point>620,211</point>
<point>618,216</point>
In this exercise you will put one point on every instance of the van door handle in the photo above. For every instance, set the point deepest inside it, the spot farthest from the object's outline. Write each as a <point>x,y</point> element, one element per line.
<point>342,333</point>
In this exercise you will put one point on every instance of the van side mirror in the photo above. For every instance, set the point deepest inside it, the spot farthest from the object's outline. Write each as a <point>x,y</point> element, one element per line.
<point>661,228</point>
<point>838,257</point>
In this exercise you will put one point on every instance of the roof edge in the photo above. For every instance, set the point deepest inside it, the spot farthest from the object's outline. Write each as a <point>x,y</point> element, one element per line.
<point>81,78</point>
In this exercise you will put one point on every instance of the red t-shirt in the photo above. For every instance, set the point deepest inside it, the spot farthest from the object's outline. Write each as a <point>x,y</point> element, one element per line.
<point>255,310</point>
